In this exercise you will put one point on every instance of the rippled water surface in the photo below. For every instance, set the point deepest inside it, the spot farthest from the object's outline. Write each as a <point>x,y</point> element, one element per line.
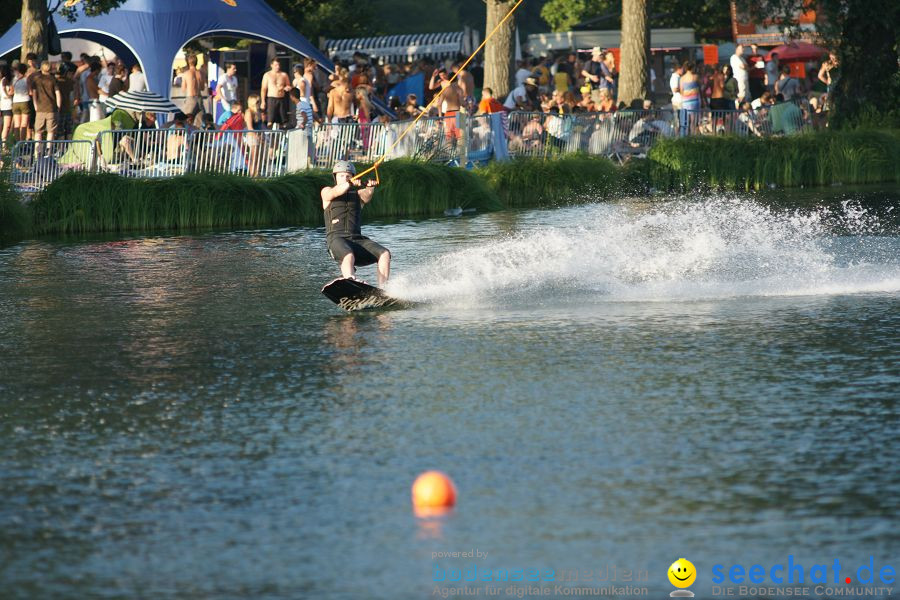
<point>609,385</point>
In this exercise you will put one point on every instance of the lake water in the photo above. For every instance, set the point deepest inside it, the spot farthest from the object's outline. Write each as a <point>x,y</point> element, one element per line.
<point>611,386</point>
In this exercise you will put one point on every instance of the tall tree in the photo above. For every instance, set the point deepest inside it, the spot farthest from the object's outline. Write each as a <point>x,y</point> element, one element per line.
<point>635,51</point>
<point>35,14</point>
<point>498,52</point>
<point>34,28</point>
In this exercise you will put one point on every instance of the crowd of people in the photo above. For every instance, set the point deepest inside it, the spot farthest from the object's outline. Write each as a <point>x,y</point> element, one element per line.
<point>45,101</point>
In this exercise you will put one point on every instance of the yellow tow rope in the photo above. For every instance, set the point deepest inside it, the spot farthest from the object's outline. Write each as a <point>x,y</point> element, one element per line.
<point>380,160</point>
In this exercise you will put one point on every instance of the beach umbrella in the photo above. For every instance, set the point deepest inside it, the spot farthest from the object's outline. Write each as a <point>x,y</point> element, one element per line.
<point>142,102</point>
<point>796,52</point>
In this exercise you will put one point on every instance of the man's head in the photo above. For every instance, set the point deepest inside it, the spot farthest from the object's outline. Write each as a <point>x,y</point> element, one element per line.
<point>775,56</point>
<point>530,82</point>
<point>45,67</point>
<point>487,93</point>
<point>596,53</point>
<point>754,49</point>
<point>739,49</point>
<point>276,65</point>
<point>231,69</point>
<point>343,170</point>
<point>66,57</point>
<point>648,104</point>
<point>412,99</point>
<point>31,59</point>
<point>235,107</point>
<point>192,60</point>
<point>294,94</point>
<point>786,70</point>
<point>309,65</point>
<point>180,119</point>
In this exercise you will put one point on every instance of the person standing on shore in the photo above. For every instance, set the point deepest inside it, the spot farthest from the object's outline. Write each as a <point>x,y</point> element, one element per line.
<point>274,95</point>
<point>227,88</point>
<point>343,203</point>
<point>191,84</point>
<point>739,68</point>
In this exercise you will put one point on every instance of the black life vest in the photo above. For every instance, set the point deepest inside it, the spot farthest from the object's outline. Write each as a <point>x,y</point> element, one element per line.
<point>342,215</point>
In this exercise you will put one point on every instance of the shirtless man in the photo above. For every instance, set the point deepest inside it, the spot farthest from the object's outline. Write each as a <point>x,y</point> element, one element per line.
<point>274,95</point>
<point>451,99</point>
<point>191,84</point>
<point>466,85</point>
<point>340,101</point>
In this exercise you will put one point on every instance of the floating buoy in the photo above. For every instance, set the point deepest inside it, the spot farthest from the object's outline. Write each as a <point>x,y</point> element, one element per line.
<point>433,489</point>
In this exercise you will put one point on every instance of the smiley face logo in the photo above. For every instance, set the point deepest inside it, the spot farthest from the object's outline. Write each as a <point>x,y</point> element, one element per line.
<point>682,573</point>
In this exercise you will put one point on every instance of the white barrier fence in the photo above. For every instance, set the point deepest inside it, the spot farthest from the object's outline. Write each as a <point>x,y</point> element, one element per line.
<point>459,139</point>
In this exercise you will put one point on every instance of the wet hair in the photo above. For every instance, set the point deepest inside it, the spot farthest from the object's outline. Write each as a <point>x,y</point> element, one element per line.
<point>192,60</point>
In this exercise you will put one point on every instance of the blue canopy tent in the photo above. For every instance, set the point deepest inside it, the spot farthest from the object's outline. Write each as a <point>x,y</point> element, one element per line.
<point>152,32</point>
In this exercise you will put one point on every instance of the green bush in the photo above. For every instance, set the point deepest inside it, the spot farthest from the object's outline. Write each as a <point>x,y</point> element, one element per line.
<point>820,158</point>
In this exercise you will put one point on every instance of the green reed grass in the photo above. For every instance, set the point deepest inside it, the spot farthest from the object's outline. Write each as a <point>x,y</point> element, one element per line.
<point>535,181</point>
<point>15,219</point>
<point>811,159</point>
<point>105,202</point>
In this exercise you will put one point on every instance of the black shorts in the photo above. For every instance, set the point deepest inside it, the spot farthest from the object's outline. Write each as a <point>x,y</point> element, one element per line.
<point>277,110</point>
<point>365,250</point>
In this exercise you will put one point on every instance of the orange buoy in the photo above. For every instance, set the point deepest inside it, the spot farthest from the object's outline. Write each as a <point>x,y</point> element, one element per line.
<point>433,489</point>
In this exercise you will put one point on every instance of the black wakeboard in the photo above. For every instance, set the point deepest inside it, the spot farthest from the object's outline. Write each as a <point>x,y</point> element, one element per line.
<point>352,294</point>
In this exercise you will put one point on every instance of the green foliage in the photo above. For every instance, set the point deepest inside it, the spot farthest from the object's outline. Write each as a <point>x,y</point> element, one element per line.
<point>534,181</point>
<point>15,220</point>
<point>822,158</point>
<point>704,16</point>
<point>90,7</point>
<point>78,202</point>
<point>331,19</point>
<point>562,15</point>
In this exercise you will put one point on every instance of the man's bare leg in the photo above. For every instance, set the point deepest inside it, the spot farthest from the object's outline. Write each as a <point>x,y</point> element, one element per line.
<point>384,268</point>
<point>348,265</point>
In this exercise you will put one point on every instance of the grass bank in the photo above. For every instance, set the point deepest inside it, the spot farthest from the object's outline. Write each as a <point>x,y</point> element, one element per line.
<point>15,218</point>
<point>746,163</point>
<point>77,203</point>
<point>536,181</point>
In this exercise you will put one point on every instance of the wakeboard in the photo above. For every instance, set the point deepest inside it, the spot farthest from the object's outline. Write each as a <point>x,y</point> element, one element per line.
<point>352,294</point>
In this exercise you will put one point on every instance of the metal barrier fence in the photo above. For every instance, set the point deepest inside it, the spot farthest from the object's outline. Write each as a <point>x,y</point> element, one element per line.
<point>143,152</point>
<point>249,153</point>
<point>35,165</point>
<point>455,139</point>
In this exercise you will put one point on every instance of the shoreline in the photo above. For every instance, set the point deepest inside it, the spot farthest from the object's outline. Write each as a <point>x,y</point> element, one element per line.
<point>87,203</point>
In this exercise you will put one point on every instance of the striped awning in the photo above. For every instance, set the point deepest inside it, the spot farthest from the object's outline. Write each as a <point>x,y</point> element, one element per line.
<point>142,102</point>
<point>398,48</point>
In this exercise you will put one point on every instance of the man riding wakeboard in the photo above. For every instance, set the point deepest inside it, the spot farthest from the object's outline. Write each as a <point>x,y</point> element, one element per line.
<point>342,204</point>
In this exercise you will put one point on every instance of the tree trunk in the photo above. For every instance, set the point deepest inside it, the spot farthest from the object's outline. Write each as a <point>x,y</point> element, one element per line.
<point>635,57</point>
<point>34,28</point>
<point>498,52</point>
